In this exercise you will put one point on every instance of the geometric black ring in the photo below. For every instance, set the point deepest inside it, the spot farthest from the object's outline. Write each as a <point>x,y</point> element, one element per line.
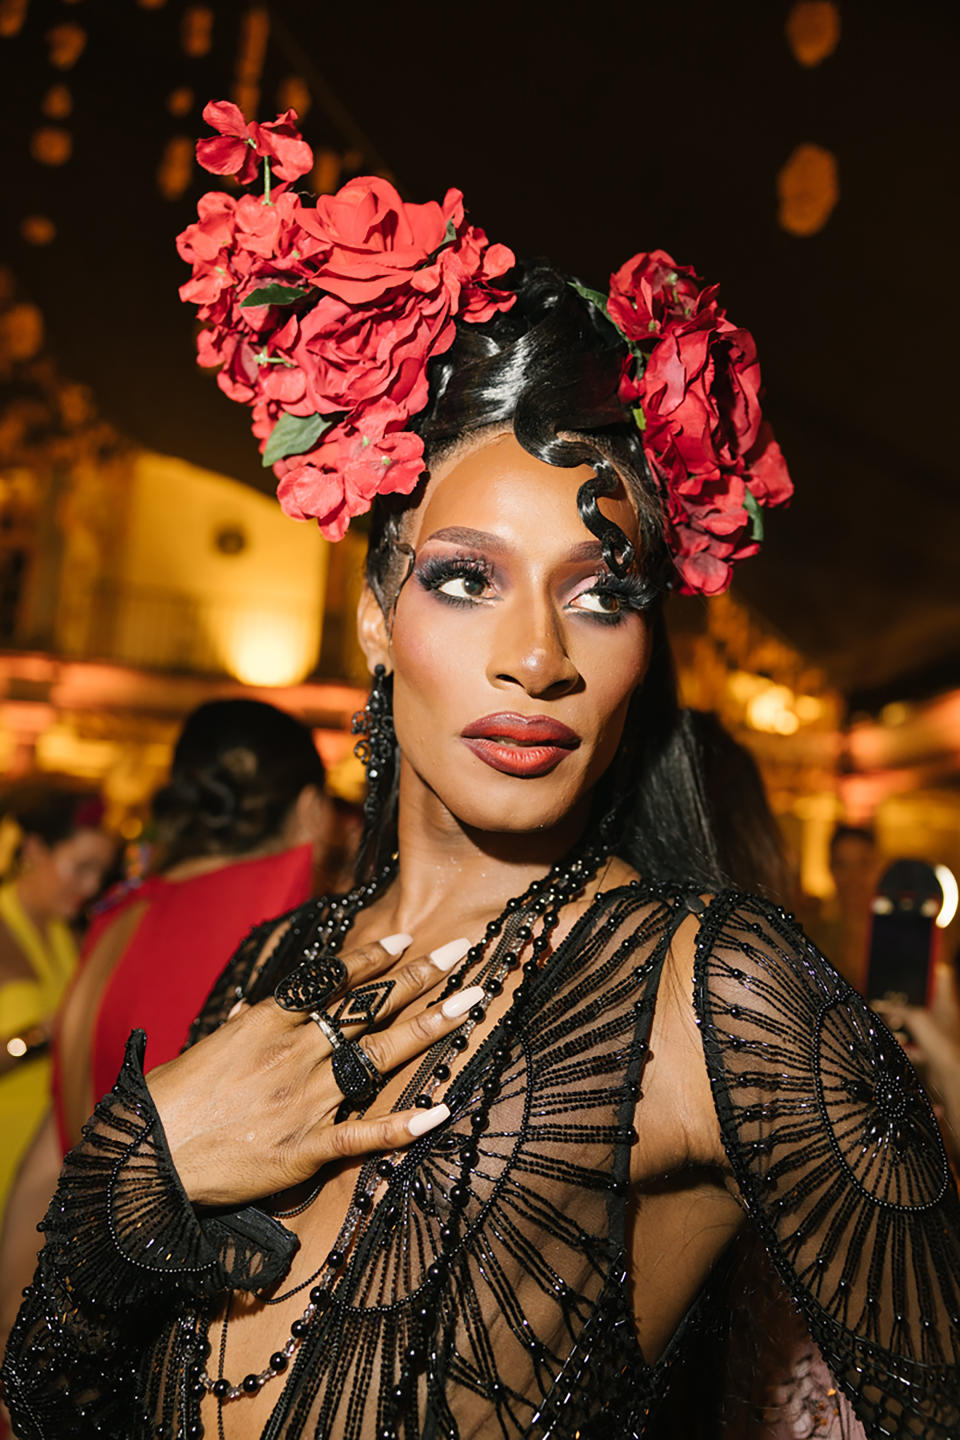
<point>355,1072</point>
<point>363,1005</point>
<point>310,985</point>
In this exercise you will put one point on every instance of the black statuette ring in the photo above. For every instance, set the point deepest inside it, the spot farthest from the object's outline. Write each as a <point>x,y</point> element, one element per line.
<point>309,986</point>
<point>354,1072</point>
<point>330,1029</point>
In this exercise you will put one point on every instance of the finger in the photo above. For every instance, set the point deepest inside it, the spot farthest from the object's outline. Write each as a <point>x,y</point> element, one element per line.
<point>382,997</point>
<point>406,1039</point>
<point>315,984</point>
<point>387,1132</point>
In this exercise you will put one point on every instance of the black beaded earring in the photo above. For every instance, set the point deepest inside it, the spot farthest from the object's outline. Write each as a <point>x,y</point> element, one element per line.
<point>377,748</point>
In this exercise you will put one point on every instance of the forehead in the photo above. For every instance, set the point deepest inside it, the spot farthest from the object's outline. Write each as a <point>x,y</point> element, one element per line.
<point>494,485</point>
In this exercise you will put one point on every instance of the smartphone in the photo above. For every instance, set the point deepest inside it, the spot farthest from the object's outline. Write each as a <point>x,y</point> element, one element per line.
<point>903,934</point>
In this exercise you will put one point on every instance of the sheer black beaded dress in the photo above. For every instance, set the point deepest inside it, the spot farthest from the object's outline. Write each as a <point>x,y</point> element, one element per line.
<point>484,1289</point>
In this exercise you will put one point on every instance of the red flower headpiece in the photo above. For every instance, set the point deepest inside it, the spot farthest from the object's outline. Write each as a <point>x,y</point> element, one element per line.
<point>692,381</point>
<point>324,319</point>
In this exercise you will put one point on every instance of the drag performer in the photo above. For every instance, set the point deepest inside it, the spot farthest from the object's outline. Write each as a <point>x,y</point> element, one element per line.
<point>404,1183</point>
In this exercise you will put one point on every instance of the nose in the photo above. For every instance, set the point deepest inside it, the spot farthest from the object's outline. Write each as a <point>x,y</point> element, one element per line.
<point>530,651</point>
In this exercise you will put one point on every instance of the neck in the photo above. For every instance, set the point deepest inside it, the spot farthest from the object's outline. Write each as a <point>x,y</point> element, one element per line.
<point>445,864</point>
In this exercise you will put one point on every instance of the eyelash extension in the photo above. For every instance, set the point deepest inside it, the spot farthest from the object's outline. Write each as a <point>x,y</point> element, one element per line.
<point>436,570</point>
<point>633,593</point>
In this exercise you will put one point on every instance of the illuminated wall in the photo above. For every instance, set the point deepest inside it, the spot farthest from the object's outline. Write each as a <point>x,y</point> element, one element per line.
<point>212,570</point>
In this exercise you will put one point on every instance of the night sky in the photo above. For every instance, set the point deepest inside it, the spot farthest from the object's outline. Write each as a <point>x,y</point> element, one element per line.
<point>586,133</point>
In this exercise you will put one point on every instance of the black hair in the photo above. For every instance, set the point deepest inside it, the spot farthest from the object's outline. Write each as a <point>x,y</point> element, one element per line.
<point>550,367</point>
<point>747,835</point>
<point>53,808</point>
<point>551,364</point>
<point>852,832</point>
<point>238,767</point>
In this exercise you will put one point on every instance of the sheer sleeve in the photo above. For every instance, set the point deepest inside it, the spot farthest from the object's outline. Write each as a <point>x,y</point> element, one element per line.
<point>839,1162</point>
<point>123,1247</point>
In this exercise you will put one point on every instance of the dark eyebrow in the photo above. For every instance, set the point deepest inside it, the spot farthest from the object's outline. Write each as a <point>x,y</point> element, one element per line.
<point>462,535</point>
<point>483,540</point>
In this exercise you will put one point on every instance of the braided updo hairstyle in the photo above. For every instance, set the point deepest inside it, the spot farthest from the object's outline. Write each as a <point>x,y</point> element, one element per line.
<point>550,368</point>
<point>238,768</point>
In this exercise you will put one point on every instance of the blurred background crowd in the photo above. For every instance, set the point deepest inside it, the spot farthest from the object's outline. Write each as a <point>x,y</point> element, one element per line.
<point>178,665</point>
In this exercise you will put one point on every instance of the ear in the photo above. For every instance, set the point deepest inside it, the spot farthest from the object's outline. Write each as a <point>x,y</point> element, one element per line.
<point>372,631</point>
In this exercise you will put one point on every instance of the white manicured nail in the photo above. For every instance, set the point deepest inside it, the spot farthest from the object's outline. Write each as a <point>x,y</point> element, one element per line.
<point>460,1004</point>
<point>396,944</point>
<point>235,1008</point>
<point>446,956</point>
<point>425,1120</point>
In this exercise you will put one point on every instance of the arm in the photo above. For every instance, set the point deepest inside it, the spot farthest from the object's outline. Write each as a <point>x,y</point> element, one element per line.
<point>123,1244</point>
<point>837,1159</point>
<point>248,1111</point>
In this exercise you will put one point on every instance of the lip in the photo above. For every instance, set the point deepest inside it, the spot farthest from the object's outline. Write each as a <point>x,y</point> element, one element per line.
<point>526,746</point>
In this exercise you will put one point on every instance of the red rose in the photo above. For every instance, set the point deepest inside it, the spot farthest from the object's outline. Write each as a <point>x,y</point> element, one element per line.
<point>375,242</point>
<point>356,355</point>
<point>240,146</point>
<point>768,479</point>
<point>650,292</point>
<point>702,380</point>
<point>373,239</point>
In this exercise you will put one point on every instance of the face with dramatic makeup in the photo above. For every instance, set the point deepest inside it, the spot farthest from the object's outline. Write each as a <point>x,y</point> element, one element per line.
<point>514,650</point>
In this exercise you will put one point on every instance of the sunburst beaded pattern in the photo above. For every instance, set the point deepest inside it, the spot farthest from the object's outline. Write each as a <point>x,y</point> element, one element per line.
<point>837,1152</point>
<point>485,1292</point>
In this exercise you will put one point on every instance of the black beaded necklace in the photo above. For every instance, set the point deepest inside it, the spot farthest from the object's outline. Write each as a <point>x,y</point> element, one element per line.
<point>526,922</point>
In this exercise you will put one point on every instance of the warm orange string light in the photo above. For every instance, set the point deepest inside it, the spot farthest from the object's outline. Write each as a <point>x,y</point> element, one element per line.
<point>252,51</point>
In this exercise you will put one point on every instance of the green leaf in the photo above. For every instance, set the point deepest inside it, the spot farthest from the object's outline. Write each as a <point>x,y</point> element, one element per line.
<point>639,419</point>
<point>596,297</point>
<point>275,295</point>
<point>293,434</point>
<point>450,233</point>
<point>752,507</point>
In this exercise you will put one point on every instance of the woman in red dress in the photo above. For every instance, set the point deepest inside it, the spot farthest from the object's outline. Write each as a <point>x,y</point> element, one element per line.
<point>240,825</point>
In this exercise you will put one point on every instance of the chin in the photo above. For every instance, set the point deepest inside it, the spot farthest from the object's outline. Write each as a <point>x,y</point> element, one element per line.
<point>510,806</point>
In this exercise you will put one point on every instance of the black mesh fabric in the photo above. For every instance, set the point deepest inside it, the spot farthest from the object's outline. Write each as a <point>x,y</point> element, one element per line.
<point>833,1148</point>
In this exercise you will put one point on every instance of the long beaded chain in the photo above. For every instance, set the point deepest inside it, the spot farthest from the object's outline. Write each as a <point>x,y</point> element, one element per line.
<point>527,920</point>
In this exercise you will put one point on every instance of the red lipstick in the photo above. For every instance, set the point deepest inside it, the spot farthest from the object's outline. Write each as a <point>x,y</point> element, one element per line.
<point>523,745</point>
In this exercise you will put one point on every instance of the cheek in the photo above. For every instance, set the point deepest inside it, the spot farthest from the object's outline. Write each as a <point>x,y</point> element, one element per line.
<point>435,654</point>
<point>613,662</point>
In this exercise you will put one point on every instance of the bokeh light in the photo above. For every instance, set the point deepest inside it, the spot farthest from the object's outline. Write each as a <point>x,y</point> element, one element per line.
<point>813,31</point>
<point>808,189</point>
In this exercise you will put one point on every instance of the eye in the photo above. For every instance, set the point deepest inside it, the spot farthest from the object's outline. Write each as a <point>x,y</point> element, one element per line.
<point>463,587</point>
<point>457,580</point>
<point>598,602</point>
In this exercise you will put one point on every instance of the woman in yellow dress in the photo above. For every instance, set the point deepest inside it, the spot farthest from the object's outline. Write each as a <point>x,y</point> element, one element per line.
<point>57,855</point>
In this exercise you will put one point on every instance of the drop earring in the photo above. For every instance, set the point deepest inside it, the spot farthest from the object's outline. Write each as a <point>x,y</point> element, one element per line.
<point>377,746</point>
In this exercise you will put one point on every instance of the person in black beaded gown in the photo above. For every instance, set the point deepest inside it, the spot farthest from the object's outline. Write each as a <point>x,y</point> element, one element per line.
<point>524,1231</point>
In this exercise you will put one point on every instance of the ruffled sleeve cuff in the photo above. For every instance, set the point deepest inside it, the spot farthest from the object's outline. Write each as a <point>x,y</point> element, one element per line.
<point>122,1228</point>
